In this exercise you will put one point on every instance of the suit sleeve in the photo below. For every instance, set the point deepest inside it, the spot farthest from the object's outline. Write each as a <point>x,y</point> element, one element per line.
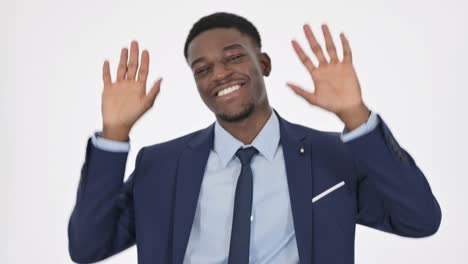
<point>102,221</point>
<point>393,194</point>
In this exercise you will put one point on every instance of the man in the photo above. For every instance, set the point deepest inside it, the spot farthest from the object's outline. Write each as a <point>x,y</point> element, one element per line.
<point>251,187</point>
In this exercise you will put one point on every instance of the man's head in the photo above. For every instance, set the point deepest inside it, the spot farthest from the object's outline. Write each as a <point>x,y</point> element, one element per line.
<point>224,51</point>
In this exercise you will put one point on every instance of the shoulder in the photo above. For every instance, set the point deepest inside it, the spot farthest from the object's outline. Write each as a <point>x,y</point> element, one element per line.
<point>327,137</point>
<point>324,144</point>
<point>173,146</point>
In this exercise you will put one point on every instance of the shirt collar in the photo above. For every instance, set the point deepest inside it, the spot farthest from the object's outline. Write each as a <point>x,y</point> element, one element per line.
<point>266,142</point>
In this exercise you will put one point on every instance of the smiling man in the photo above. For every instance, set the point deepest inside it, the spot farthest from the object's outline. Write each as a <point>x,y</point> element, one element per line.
<point>252,187</point>
<point>229,67</point>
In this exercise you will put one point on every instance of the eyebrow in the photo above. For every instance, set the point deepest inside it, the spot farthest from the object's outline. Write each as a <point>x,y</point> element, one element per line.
<point>230,47</point>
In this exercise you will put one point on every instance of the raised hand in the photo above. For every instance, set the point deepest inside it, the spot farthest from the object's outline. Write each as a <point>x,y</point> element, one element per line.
<point>125,100</point>
<point>336,84</point>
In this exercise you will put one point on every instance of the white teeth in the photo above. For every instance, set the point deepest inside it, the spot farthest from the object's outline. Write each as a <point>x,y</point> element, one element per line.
<point>228,90</point>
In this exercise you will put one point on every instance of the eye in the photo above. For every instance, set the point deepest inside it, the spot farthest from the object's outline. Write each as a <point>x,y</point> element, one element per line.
<point>234,58</point>
<point>201,70</point>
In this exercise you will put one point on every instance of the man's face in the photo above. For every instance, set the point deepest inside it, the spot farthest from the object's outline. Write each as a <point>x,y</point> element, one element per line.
<point>228,70</point>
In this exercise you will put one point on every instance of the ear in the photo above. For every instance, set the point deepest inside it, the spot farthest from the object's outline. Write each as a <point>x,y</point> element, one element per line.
<point>265,63</point>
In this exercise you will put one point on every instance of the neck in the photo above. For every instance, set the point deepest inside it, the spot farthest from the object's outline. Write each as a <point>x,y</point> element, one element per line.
<point>247,129</point>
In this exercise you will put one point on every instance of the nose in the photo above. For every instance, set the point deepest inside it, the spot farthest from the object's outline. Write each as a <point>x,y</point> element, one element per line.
<point>221,72</point>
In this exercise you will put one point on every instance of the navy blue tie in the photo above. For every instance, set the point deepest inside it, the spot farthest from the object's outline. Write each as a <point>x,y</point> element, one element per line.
<point>240,233</point>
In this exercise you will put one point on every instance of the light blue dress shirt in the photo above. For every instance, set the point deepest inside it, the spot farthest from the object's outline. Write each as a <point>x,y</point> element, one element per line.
<point>272,233</point>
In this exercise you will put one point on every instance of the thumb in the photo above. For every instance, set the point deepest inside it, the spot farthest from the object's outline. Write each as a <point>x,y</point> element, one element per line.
<point>153,93</point>
<point>308,96</point>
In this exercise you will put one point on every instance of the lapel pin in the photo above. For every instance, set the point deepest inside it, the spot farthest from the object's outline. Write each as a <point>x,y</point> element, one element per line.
<point>301,151</point>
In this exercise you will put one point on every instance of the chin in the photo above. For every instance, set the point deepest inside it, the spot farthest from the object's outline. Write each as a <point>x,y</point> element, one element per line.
<point>240,115</point>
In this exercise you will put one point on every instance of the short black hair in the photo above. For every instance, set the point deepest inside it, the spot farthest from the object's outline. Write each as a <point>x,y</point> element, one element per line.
<point>222,20</point>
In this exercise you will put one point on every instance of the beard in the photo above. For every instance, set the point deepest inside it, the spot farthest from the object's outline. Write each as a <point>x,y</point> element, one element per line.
<point>245,112</point>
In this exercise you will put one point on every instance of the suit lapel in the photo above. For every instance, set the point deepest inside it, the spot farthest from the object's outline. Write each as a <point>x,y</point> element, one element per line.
<point>299,174</point>
<point>190,171</point>
<point>191,168</point>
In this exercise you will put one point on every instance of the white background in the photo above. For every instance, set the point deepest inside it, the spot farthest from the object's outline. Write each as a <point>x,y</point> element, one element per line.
<point>411,58</point>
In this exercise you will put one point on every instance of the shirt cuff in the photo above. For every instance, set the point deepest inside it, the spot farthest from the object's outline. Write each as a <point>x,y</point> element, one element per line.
<point>363,129</point>
<point>109,145</point>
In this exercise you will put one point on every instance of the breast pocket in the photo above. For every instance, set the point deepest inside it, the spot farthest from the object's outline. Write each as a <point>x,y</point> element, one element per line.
<point>328,191</point>
<point>333,222</point>
<point>335,200</point>
<point>334,209</point>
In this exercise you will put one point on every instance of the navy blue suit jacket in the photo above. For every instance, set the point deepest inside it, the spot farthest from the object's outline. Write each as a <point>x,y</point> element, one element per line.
<point>155,207</point>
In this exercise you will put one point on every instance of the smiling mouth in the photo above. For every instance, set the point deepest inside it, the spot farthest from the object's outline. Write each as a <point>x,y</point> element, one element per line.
<point>228,90</point>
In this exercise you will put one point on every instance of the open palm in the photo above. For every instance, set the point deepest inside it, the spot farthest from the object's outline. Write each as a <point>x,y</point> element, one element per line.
<point>126,100</point>
<point>336,84</point>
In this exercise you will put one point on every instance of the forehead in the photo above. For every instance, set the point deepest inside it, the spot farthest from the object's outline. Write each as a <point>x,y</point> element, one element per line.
<point>213,41</point>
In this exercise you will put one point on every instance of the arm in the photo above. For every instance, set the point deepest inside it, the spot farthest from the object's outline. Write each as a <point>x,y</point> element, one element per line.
<point>393,194</point>
<point>102,221</point>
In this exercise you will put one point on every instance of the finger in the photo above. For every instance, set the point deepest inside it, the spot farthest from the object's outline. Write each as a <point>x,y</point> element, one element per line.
<point>151,96</point>
<point>143,71</point>
<point>303,57</point>
<point>122,69</point>
<point>347,55</point>
<point>314,45</point>
<point>308,96</point>
<point>329,44</point>
<point>106,76</point>
<point>133,61</point>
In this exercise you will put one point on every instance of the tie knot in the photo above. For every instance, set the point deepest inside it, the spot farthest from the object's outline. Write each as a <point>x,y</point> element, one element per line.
<point>245,155</point>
